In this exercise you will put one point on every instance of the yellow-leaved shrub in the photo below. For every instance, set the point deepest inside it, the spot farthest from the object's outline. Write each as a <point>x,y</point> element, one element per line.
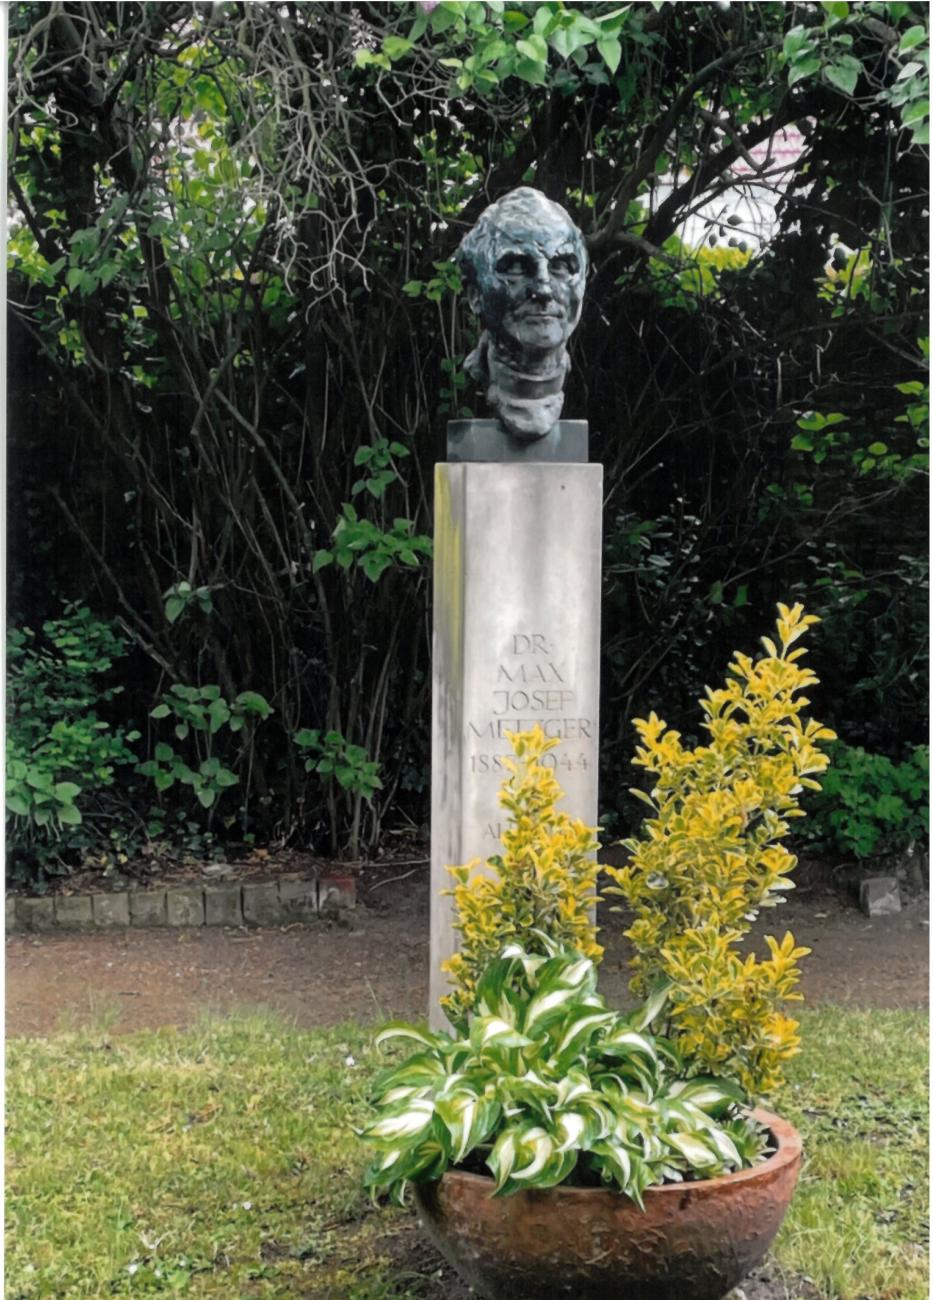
<point>710,857</point>
<point>544,880</point>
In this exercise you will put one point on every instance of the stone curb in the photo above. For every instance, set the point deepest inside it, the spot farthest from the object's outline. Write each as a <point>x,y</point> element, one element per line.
<point>255,903</point>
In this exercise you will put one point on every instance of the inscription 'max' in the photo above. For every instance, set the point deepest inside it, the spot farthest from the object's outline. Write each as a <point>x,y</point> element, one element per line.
<point>530,687</point>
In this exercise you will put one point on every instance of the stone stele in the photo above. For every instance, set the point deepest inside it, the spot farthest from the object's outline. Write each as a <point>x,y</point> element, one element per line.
<point>516,642</point>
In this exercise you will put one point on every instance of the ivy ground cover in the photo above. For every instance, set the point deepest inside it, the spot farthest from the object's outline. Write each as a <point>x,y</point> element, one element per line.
<point>222,1161</point>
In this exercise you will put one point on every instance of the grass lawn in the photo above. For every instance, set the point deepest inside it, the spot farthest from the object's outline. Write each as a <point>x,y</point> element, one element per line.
<point>221,1162</point>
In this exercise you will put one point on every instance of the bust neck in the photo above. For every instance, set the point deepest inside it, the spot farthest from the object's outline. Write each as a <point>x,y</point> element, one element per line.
<point>525,393</point>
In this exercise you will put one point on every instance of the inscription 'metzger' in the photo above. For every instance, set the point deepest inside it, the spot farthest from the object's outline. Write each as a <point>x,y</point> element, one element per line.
<point>553,728</point>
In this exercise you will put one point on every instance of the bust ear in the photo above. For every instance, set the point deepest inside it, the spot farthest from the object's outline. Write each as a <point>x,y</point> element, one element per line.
<point>474,297</point>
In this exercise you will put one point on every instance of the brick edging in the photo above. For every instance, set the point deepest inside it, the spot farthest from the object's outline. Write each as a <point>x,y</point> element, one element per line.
<point>255,903</point>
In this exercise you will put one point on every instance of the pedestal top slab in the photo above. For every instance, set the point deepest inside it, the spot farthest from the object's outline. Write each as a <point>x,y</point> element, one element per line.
<point>487,440</point>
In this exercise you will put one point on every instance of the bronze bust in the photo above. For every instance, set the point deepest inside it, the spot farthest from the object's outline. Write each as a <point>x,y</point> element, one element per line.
<point>524,265</point>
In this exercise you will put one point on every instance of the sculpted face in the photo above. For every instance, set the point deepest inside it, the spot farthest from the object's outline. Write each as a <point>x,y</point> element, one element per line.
<point>524,265</point>
<point>535,292</point>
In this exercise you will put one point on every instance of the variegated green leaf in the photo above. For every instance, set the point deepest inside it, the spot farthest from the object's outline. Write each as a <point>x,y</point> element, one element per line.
<point>535,1148</point>
<point>469,1119</point>
<point>572,1084</point>
<point>403,1123</point>
<point>616,1159</point>
<point>547,1007</point>
<point>587,1123</point>
<point>635,1108</point>
<point>569,1129</point>
<point>401,1029</point>
<point>394,1095</point>
<point>625,1042</point>
<point>450,1083</point>
<point>670,1056</point>
<point>652,1148</point>
<point>679,1113</point>
<point>554,1170</point>
<point>643,1175</point>
<point>424,1068</point>
<point>528,1091</point>
<point>695,1152</point>
<point>567,970</point>
<point>710,1095</point>
<point>725,1146</point>
<point>426,1160</point>
<point>579,1025</point>
<point>531,962</point>
<point>492,991</point>
<point>642,1017</point>
<point>488,1031</point>
<point>502,1156</point>
<point>545,941</point>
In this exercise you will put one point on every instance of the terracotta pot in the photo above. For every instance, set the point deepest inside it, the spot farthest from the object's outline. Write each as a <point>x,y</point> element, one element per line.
<point>693,1241</point>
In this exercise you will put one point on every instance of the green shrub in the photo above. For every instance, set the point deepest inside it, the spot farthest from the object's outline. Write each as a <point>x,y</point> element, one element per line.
<point>870,804</point>
<point>331,756</point>
<point>216,739</point>
<point>62,755</point>
<point>200,712</point>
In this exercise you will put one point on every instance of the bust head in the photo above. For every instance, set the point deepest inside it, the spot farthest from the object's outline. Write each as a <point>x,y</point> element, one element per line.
<point>524,265</point>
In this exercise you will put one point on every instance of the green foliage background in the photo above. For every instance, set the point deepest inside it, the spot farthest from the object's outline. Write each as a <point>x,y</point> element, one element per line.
<point>236,337</point>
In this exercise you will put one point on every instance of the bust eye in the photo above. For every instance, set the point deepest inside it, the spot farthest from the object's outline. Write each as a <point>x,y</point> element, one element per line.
<point>514,264</point>
<point>564,264</point>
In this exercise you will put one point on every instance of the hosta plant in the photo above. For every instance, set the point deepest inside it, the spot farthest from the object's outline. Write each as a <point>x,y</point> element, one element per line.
<point>549,1086</point>
<point>710,857</point>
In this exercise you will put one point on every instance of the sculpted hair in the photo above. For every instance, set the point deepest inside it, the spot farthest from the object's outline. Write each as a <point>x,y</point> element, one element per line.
<point>477,255</point>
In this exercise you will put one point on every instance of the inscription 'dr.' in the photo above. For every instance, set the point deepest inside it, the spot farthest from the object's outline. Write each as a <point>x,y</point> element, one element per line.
<point>531,674</point>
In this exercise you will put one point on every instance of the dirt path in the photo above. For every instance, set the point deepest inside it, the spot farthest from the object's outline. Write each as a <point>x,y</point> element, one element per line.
<point>324,973</point>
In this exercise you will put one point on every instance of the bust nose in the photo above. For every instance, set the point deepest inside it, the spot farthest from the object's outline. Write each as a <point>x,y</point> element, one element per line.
<point>540,287</point>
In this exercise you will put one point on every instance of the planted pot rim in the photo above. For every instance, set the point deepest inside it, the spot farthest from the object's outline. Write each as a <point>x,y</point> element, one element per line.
<point>789,1148</point>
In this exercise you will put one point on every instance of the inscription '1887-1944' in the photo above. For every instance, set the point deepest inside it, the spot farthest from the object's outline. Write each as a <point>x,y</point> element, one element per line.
<point>530,687</point>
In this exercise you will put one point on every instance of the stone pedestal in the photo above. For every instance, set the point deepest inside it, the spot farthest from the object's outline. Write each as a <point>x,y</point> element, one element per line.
<point>516,642</point>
